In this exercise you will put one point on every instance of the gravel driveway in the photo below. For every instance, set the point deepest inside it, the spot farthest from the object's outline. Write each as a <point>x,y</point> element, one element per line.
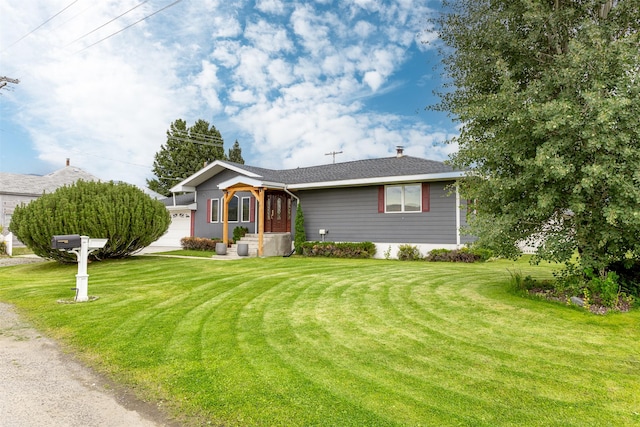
<point>43,386</point>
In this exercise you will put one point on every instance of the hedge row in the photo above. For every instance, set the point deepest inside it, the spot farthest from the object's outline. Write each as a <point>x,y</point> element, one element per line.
<point>199,243</point>
<point>412,253</point>
<point>459,255</point>
<point>338,250</point>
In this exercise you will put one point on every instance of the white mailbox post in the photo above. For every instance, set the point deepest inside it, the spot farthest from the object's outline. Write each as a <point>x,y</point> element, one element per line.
<point>87,246</point>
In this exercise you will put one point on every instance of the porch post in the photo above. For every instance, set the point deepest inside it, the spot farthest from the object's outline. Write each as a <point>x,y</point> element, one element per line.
<point>225,218</point>
<point>261,221</point>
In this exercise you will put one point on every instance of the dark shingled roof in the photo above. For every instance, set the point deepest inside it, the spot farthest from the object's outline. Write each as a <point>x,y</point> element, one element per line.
<point>181,199</point>
<point>359,169</point>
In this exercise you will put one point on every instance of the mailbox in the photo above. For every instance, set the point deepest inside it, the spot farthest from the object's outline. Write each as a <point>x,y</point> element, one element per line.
<point>63,242</point>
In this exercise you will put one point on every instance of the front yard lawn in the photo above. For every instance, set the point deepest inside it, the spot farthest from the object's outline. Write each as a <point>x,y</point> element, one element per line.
<point>327,342</point>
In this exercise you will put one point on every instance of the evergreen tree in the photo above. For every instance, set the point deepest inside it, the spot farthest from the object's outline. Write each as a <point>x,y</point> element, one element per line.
<point>122,213</point>
<point>548,96</point>
<point>185,152</point>
<point>235,153</point>
<point>301,235</point>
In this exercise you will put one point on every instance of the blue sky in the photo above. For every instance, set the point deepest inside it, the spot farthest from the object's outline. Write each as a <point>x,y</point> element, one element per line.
<point>290,80</point>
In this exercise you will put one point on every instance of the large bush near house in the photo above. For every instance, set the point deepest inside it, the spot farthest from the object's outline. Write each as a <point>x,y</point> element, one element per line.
<point>120,212</point>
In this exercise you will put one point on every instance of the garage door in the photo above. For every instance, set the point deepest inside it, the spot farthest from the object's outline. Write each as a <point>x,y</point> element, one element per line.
<point>180,227</point>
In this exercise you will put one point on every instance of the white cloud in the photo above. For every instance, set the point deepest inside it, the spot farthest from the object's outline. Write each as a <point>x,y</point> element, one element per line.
<point>293,81</point>
<point>373,79</point>
<point>207,82</point>
<point>271,6</point>
<point>364,29</point>
<point>267,37</point>
<point>225,52</point>
<point>225,27</point>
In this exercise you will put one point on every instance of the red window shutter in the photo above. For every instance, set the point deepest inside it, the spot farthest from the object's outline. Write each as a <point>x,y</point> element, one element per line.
<point>208,210</point>
<point>426,197</point>
<point>193,224</point>
<point>252,209</point>
<point>381,199</point>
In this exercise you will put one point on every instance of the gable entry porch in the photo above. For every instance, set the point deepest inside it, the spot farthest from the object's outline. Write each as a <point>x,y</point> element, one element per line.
<point>274,207</point>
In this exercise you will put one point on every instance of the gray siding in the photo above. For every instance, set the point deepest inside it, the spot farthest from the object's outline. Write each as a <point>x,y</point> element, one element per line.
<point>209,190</point>
<point>351,215</point>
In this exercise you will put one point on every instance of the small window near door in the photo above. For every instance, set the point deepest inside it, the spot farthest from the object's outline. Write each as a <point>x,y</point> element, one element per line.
<point>246,209</point>
<point>233,209</point>
<point>214,210</point>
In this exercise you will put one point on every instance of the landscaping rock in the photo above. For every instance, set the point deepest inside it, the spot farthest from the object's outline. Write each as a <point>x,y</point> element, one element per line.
<point>577,301</point>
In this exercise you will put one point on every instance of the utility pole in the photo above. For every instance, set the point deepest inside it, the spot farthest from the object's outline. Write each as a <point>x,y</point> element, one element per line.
<point>333,153</point>
<point>4,80</point>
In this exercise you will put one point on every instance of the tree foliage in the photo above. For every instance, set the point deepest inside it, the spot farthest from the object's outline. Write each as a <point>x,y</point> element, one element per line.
<point>120,212</point>
<point>548,97</point>
<point>186,151</point>
<point>235,153</point>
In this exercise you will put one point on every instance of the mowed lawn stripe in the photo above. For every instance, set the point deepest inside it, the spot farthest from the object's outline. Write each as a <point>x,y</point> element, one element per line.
<point>291,341</point>
<point>333,365</point>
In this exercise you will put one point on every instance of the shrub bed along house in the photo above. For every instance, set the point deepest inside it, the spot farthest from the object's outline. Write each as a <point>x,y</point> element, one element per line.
<point>459,255</point>
<point>199,243</point>
<point>339,250</point>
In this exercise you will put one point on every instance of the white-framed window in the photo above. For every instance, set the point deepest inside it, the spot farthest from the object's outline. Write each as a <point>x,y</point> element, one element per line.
<point>246,209</point>
<point>234,205</point>
<point>403,198</point>
<point>214,210</point>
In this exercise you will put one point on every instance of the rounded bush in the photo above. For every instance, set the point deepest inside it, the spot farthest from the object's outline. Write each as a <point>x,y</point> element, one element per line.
<point>408,253</point>
<point>120,212</point>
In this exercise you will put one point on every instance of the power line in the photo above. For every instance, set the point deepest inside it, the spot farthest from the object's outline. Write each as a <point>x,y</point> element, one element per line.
<point>129,26</point>
<point>107,23</point>
<point>39,26</point>
<point>4,80</point>
<point>210,144</point>
<point>187,132</point>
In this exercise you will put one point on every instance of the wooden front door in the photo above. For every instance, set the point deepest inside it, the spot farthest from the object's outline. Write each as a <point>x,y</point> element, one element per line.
<point>277,215</point>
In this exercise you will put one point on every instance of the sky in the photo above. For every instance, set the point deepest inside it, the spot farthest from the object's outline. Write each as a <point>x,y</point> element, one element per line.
<point>291,81</point>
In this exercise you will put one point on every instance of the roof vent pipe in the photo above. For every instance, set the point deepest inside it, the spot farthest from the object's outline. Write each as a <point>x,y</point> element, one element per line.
<point>399,150</point>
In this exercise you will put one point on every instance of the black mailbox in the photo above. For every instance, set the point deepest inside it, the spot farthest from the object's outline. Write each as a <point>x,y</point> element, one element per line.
<point>69,241</point>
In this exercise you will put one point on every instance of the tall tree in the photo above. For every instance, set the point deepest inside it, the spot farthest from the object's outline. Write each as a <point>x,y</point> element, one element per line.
<point>548,97</point>
<point>235,153</point>
<point>186,151</point>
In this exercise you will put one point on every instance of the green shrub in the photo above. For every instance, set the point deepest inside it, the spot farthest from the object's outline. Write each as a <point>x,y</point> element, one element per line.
<point>120,212</point>
<point>569,281</point>
<point>199,243</point>
<point>605,288</point>
<point>628,272</point>
<point>408,253</point>
<point>484,254</point>
<point>239,232</point>
<point>528,283</point>
<point>3,246</point>
<point>300,235</point>
<point>458,255</point>
<point>339,250</point>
